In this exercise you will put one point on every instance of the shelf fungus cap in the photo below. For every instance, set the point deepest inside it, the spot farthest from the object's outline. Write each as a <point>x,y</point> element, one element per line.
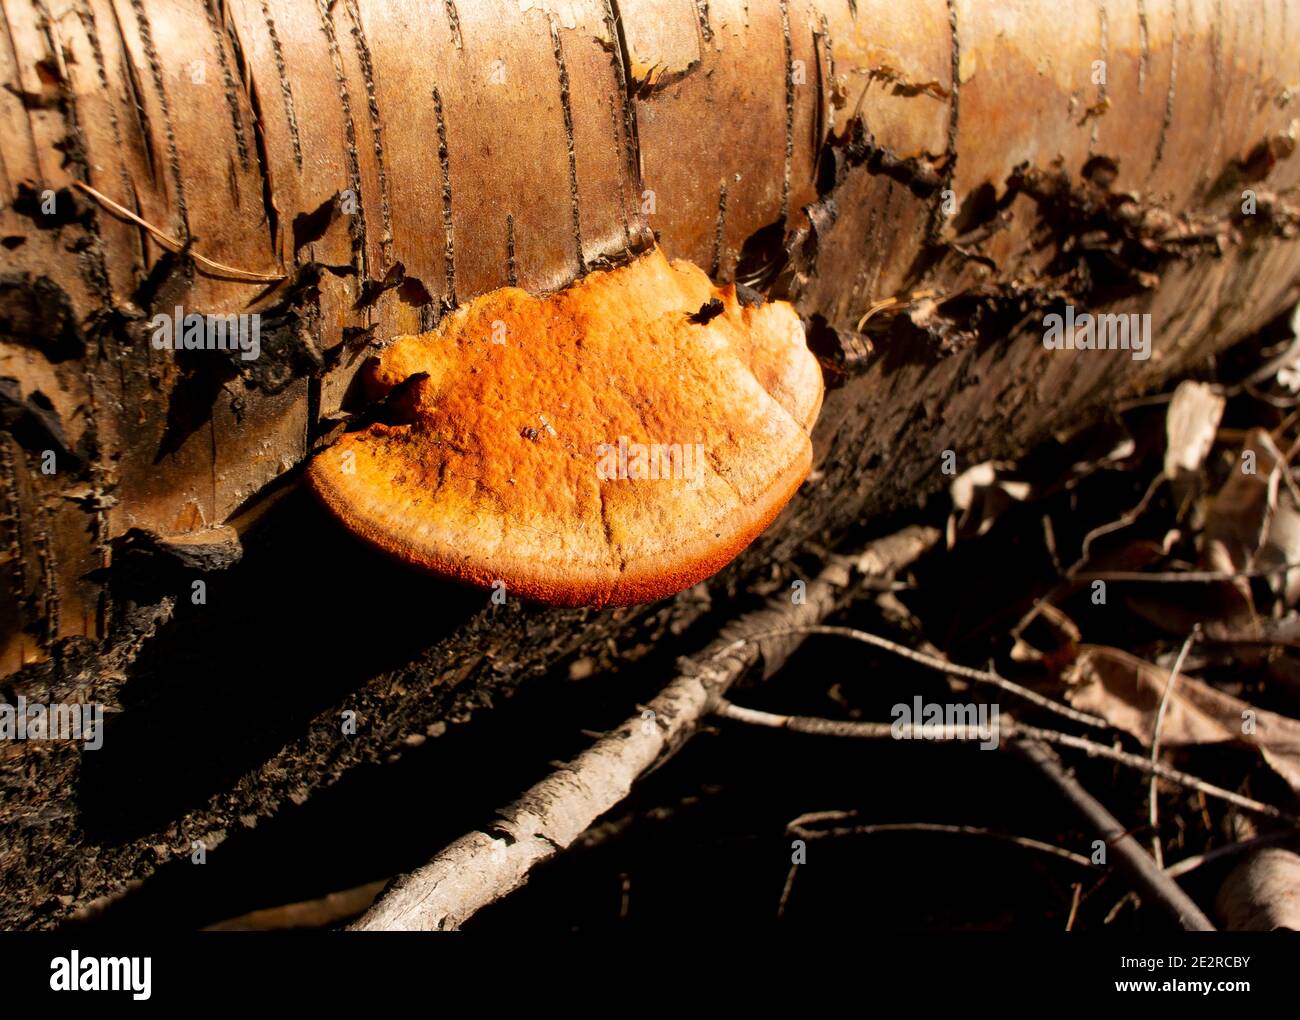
<point>614,442</point>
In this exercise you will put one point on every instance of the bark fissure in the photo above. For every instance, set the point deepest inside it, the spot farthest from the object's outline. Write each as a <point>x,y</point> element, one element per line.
<point>356,222</point>
<point>621,59</point>
<point>789,108</point>
<point>567,111</point>
<point>286,90</point>
<point>1168,120</point>
<point>718,228</point>
<point>512,270</point>
<point>1144,45</point>
<point>227,81</point>
<point>376,134</point>
<point>169,129</point>
<point>444,165</point>
<point>453,23</point>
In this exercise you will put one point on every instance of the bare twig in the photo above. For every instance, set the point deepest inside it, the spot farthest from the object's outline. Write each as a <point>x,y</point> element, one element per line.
<point>1189,864</point>
<point>1189,576</point>
<point>803,724</point>
<point>1129,897</point>
<point>1126,851</point>
<point>943,665</point>
<point>1163,771</point>
<point>798,828</point>
<point>787,889</point>
<point>1074,906</point>
<point>1153,799</point>
<point>482,866</point>
<point>1010,728</point>
<point>1122,522</point>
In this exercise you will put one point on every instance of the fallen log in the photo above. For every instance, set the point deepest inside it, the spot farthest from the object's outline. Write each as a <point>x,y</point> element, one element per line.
<point>927,182</point>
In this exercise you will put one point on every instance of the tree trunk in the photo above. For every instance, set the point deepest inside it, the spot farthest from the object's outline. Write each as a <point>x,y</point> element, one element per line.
<point>351,170</point>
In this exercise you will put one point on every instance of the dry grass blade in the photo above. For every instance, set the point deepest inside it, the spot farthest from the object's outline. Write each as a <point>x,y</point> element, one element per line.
<point>218,269</point>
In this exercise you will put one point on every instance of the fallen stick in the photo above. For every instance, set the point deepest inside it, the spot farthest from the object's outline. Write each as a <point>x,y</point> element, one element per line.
<point>1011,729</point>
<point>798,828</point>
<point>483,866</point>
<point>943,665</point>
<point>1174,775</point>
<point>1127,852</point>
<point>1189,864</point>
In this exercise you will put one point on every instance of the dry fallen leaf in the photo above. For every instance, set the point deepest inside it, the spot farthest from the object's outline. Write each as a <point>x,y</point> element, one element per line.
<point>1190,427</point>
<point>1253,523</point>
<point>980,495</point>
<point>1126,692</point>
<point>1262,893</point>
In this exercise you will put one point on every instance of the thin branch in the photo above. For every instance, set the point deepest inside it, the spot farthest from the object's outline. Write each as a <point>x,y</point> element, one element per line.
<point>943,665</point>
<point>1153,799</point>
<point>1074,906</point>
<point>1129,897</point>
<point>1126,851</point>
<point>1163,771</point>
<point>487,864</point>
<point>1124,521</point>
<point>1011,729</point>
<point>317,913</point>
<point>786,890</point>
<point>1188,864</point>
<point>1191,576</point>
<point>798,828</point>
<point>804,724</point>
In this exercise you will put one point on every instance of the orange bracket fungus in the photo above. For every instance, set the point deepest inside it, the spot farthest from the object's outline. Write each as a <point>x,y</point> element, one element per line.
<point>611,443</point>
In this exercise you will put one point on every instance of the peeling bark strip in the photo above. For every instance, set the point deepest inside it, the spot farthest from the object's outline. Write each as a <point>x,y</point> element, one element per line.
<point>93,269</point>
<point>357,222</point>
<point>836,204</point>
<point>134,89</point>
<point>617,45</point>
